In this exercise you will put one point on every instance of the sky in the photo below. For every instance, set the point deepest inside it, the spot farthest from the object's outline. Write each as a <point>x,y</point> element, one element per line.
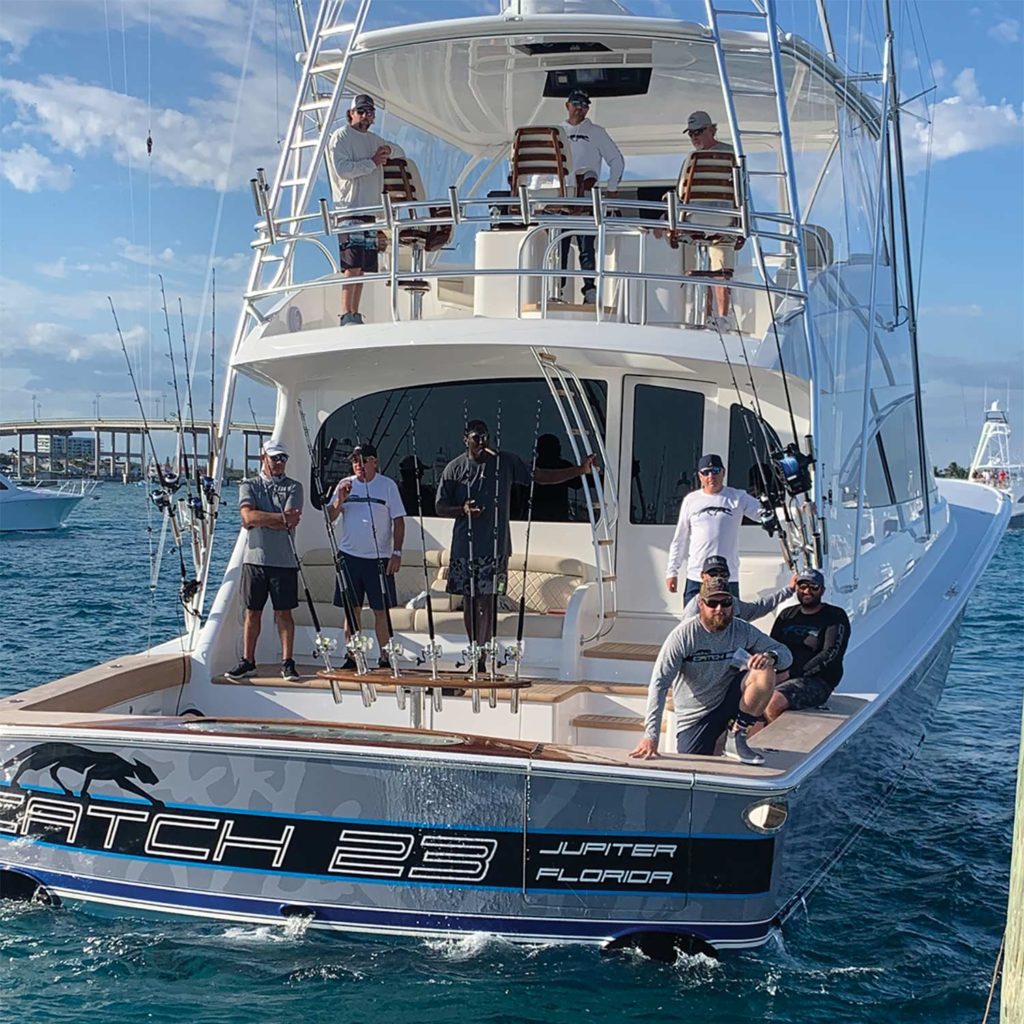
<point>87,213</point>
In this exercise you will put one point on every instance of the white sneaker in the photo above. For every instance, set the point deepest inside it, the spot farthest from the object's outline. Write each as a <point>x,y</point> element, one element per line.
<point>589,296</point>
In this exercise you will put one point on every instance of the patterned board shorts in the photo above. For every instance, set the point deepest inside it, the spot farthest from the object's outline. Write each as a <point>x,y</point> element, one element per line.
<point>805,692</point>
<point>487,573</point>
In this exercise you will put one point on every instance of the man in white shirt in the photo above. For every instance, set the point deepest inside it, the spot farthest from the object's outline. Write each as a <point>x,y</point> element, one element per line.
<point>709,524</point>
<point>373,531</point>
<point>355,166</point>
<point>591,146</point>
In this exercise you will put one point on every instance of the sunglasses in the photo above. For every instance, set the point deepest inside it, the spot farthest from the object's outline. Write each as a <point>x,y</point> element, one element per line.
<point>807,586</point>
<point>477,436</point>
<point>718,602</point>
<point>697,131</point>
<point>709,472</point>
<point>278,458</point>
<point>366,111</point>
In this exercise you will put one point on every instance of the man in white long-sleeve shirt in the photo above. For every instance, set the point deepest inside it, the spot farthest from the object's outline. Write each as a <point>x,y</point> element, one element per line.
<point>709,524</point>
<point>355,166</point>
<point>591,146</point>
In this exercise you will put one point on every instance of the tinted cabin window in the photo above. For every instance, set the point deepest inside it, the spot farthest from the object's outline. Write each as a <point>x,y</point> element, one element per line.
<point>668,431</point>
<point>751,442</point>
<point>440,412</point>
<point>893,464</point>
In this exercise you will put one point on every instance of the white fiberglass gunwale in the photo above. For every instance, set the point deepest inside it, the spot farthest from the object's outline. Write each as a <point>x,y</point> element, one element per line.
<point>632,135</point>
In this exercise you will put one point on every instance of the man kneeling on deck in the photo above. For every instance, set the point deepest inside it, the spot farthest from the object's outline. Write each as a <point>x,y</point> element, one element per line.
<point>721,670</point>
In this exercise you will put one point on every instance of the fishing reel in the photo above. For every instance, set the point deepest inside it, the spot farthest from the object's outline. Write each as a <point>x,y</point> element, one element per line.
<point>195,506</point>
<point>429,652</point>
<point>189,589</point>
<point>209,490</point>
<point>794,468</point>
<point>514,653</point>
<point>162,500</point>
<point>324,646</point>
<point>768,518</point>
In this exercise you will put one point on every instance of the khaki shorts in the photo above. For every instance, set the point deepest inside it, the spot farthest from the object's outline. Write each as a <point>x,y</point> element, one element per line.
<point>722,257</point>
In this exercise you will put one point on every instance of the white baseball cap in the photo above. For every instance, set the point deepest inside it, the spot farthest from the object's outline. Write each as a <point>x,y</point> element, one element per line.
<point>274,447</point>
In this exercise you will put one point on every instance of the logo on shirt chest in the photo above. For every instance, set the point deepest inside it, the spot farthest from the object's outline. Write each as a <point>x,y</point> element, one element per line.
<point>714,510</point>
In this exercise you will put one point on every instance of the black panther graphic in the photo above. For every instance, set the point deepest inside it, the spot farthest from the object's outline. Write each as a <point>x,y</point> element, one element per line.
<point>91,764</point>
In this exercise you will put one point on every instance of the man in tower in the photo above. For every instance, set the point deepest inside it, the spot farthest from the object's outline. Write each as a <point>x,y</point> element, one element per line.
<point>355,164</point>
<point>591,146</point>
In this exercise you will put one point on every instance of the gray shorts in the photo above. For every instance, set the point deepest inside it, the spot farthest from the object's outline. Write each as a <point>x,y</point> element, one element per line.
<point>805,692</point>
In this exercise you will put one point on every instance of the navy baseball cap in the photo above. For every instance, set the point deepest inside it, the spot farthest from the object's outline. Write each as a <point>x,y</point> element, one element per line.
<point>579,98</point>
<point>364,451</point>
<point>716,565</point>
<point>362,101</point>
<point>811,576</point>
<point>710,462</point>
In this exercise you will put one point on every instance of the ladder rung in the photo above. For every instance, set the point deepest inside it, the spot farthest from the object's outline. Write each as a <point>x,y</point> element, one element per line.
<point>331,65</point>
<point>760,133</point>
<point>605,542</point>
<point>315,105</point>
<point>608,579</point>
<point>739,14</point>
<point>766,174</point>
<point>270,257</point>
<point>292,182</point>
<point>752,92</point>
<point>337,30</point>
<point>610,615</point>
<point>305,144</point>
<point>561,394</point>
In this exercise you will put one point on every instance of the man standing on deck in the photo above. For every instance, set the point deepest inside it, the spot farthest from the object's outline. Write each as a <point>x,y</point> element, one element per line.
<point>355,163</point>
<point>271,505</point>
<point>709,524</point>
<point>721,670</point>
<point>817,635</point>
<point>372,535</point>
<point>475,490</point>
<point>591,146</point>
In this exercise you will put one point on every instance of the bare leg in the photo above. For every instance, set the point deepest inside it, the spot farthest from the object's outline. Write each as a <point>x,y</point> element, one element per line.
<point>351,294</point>
<point>380,627</point>
<point>776,706</point>
<point>286,631</point>
<point>251,626</point>
<point>758,687</point>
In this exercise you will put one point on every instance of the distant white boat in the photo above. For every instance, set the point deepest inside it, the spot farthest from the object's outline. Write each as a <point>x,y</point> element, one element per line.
<point>39,508</point>
<point>992,465</point>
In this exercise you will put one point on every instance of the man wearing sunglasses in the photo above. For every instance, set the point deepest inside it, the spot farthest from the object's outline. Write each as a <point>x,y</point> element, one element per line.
<point>355,166</point>
<point>591,146</point>
<point>270,505</point>
<point>716,567</point>
<point>722,673</point>
<point>709,524</point>
<point>475,489</point>
<point>817,635</point>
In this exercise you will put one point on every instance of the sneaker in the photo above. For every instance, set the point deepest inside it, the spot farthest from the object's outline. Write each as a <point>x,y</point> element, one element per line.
<point>589,296</point>
<point>384,662</point>
<point>288,670</point>
<point>243,669</point>
<point>350,319</point>
<point>737,749</point>
<point>722,323</point>
<point>557,298</point>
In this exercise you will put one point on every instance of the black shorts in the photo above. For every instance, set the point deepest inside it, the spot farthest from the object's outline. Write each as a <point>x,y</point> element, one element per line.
<point>281,584</point>
<point>358,250</point>
<point>486,573</point>
<point>363,578</point>
<point>806,692</point>
<point>701,737</point>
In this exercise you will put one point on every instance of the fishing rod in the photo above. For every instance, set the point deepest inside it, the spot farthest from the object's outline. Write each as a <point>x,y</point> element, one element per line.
<point>769,518</point>
<point>472,651</point>
<point>393,648</point>
<point>356,642</point>
<point>323,645</point>
<point>161,498</point>
<point>497,583</point>
<point>432,651</point>
<point>514,652</point>
<point>196,503</point>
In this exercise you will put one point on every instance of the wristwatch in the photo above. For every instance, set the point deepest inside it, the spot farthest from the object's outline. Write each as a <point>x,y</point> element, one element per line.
<point>397,553</point>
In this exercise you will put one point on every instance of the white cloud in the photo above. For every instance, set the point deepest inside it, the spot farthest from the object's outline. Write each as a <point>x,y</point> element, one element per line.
<point>28,170</point>
<point>1006,31</point>
<point>963,123</point>
<point>938,71</point>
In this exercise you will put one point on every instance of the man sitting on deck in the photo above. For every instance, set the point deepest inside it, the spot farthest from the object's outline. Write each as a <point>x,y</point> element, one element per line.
<point>721,670</point>
<point>816,634</point>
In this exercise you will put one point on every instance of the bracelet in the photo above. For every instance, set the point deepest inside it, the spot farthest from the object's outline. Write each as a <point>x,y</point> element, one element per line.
<point>397,553</point>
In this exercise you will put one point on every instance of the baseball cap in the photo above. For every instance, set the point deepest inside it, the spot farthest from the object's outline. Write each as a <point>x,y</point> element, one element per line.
<point>698,119</point>
<point>579,97</point>
<point>715,587</point>
<point>811,576</point>
<point>710,462</point>
<point>411,463</point>
<point>274,447</point>
<point>716,564</point>
<point>364,451</point>
<point>362,101</point>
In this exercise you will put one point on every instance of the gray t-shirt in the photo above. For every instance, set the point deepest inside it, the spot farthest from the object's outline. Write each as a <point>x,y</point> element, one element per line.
<point>264,546</point>
<point>462,479</point>
<point>696,663</point>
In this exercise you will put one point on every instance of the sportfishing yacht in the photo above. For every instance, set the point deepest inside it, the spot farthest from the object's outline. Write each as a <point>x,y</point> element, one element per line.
<point>437,798</point>
<point>993,466</point>
<point>39,508</point>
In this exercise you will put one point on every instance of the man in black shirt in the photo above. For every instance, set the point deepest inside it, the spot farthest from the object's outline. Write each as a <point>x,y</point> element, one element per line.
<point>817,634</point>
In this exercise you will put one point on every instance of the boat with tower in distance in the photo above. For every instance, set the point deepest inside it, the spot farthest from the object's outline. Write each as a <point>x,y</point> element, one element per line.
<point>413,802</point>
<point>993,463</point>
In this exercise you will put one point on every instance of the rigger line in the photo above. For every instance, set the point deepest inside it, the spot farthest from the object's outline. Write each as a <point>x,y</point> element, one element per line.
<point>498,580</point>
<point>472,651</point>
<point>432,651</point>
<point>356,641</point>
<point>516,652</point>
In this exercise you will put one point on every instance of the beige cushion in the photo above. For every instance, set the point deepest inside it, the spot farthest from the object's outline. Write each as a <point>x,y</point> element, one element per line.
<point>332,617</point>
<point>451,624</point>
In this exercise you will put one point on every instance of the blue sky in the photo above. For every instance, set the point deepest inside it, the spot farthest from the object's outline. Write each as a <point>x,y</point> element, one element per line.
<point>85,212</point>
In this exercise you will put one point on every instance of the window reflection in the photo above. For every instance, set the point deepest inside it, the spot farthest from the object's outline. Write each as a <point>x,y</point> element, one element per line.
<point>440,412</point>
<point>751,442</point>
<point>668,431</point>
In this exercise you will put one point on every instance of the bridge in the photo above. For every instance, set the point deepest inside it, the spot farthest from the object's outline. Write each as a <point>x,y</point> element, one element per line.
<point>110,448</point>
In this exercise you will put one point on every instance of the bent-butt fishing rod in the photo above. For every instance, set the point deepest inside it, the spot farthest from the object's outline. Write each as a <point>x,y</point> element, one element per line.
<point>496,577</point>
<point>356,642</point>
<point>432,651</point>
<point>162,498</point>
<point>515,652</point>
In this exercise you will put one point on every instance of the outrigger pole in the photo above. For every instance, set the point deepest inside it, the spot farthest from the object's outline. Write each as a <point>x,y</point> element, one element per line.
<point>432,651</point>
<point>518,650</point>
<point>496,577</point>
<point>356,641</point>
<point>472,651</point>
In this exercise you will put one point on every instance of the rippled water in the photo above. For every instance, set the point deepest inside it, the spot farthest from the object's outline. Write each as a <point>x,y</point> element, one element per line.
<point>906,928</point>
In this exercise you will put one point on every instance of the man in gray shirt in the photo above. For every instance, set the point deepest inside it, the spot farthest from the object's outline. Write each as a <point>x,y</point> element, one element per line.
<point>721,670</point>
<point>271,505</point>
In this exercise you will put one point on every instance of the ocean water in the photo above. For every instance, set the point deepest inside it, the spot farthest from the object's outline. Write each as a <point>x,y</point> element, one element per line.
<point>905,928</point>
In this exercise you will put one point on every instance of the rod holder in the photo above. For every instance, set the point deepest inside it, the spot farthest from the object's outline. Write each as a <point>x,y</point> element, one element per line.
<point>325,213</point>
<point>453,202</point>
<point>524,204</point>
